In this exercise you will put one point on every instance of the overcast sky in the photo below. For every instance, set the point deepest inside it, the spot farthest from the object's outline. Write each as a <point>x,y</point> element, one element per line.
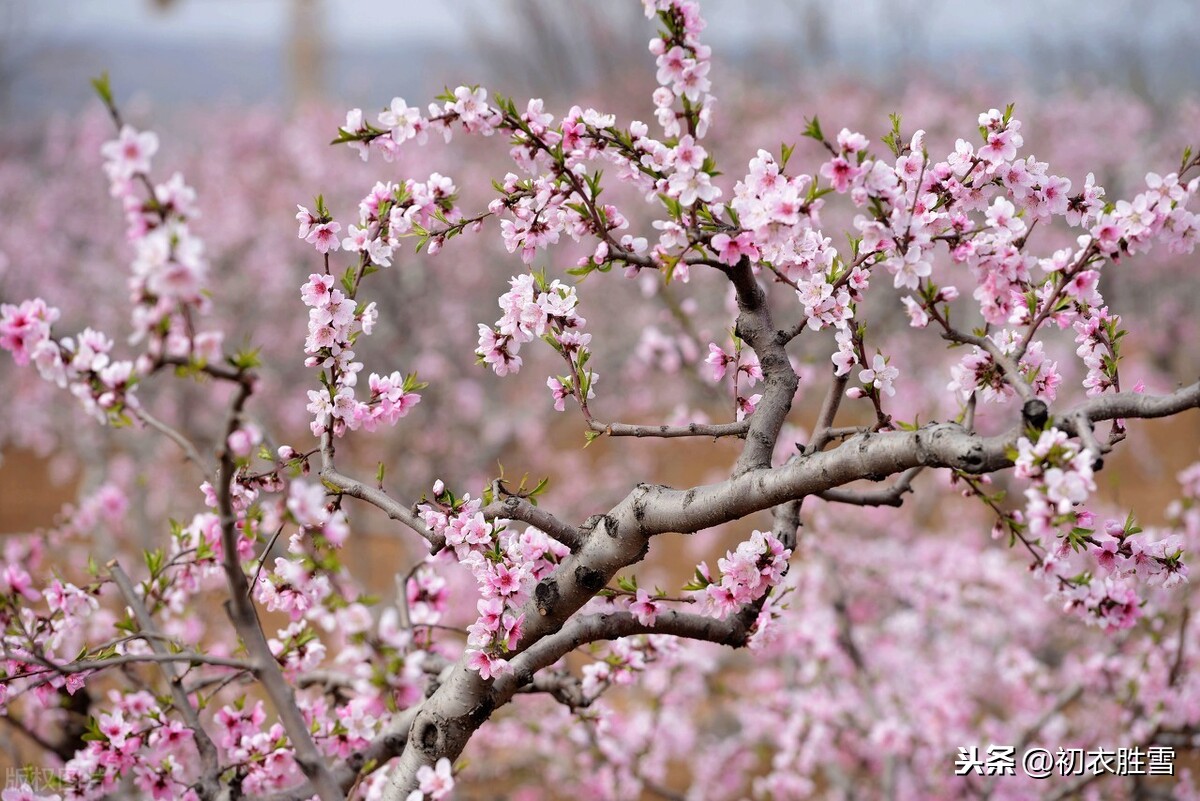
<point>231,49</point>
<point>379,21</point>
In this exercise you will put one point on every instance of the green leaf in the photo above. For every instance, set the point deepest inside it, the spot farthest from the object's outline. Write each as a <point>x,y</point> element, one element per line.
<point>812,129</point>
<point>103,88</point>
<point>785,155</point>
<point>246,359</point>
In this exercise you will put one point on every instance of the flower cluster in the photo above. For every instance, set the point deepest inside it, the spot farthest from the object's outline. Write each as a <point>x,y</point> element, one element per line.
<point>682,99</point>
<point>623,660</point>
<point>744,362</point>
<point>133,738</point>
<point>1061,475</point>
<point>746,575</point>
<point>506,564</point>
<point>434,783</point>
<point>532,310</point>
<point>1159,213</point>
<point>389,212</point>
<point>779,215</point>
<point>1061,481</point>
<point>978,372</point>
<point>170,272</point>
<point>334,322</point>
<point>82,363</point>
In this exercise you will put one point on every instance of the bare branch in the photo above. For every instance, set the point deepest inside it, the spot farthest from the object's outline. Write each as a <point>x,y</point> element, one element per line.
<point>892,495</point>
<point>715,430</point>
<point>874,456</point>
<point>189,450</point>
<point>89,665</point>
<point>517,508</point>
<point>823,431</point>
<point>733,631</point>
<point>374,496</point>
<point>1083,430</point>
<point>562,686</point>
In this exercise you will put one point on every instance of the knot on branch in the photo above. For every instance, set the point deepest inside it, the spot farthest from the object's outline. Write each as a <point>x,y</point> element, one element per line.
<point>1035,413</point>
<point>606,523</point>
<point>545,596</point>
<point>589,578</point>
<point>429,734</point>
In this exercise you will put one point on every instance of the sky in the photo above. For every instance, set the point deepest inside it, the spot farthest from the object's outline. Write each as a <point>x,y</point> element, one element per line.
<point>205,50</point>
<point>381,21</point>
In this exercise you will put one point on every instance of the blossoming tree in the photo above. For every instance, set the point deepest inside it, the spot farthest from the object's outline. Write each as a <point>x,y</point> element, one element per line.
<point>351,698</point>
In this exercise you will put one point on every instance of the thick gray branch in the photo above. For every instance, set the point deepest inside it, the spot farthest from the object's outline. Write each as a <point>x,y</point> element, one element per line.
<point>874,456</point>
<point>780,381</point>
<point>620,538</point>
<point>733,631</point>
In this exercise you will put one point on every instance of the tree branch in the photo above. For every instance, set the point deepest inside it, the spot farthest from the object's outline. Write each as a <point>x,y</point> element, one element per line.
<point>733,631</point>
<point>464,700</point>
<point>376,497</point>
<point>780,381</point>
<point>823,431</point>
<point>189,450</point>
<point>518,508</point>
<point>241,612</point>
<point>715,430</point>
<point>873,456</point>
<point>892,495</point>
<point>209,785</point>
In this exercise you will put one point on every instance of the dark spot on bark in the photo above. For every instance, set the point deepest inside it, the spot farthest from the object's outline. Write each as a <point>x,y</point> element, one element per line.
<point>545,596</point>
<point>610,525</point>
<point>1036,413</point>
<point>590,524</point>
<point>688,497</point>
<point>589,578</point>
<point>394,743</point>
<point>428,737</point>
<point>972,460</point>
<point>481,711</point>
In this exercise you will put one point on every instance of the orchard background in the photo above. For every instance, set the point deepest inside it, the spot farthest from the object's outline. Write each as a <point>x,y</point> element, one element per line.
<point>252,162</point>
